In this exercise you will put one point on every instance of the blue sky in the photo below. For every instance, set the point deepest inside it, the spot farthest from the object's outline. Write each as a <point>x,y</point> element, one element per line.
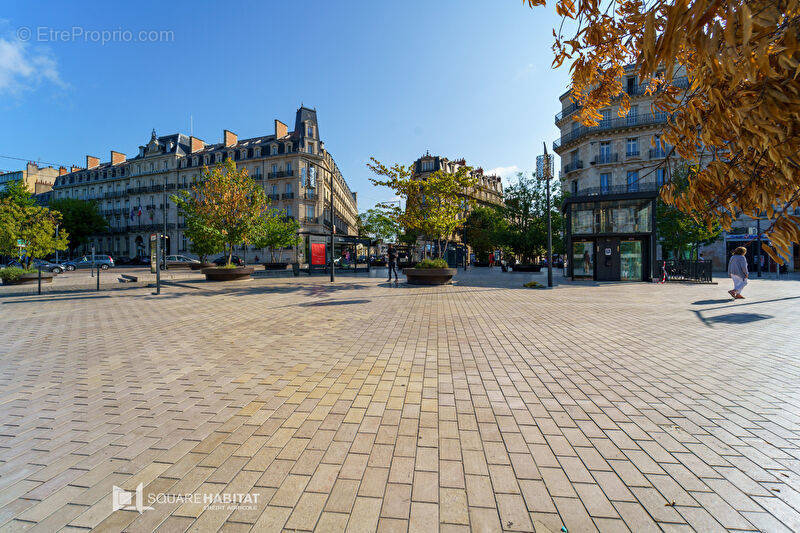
<point>461,78</point>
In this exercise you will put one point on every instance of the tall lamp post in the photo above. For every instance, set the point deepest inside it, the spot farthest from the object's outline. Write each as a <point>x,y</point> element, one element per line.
<point>544,171</point>
<point>164,248</point>
<point>332,225</point>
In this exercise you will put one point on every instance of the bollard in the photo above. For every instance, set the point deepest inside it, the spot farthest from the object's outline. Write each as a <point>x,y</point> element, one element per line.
<point>98,278</point>
<point>40,278</point>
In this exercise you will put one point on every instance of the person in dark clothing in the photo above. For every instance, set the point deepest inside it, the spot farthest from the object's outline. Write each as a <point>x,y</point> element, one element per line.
<point>392,263</point>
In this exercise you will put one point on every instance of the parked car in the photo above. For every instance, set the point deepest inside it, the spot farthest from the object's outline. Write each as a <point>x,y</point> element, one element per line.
<point>47,266</point>
<point>223,259</point>
<point>103,262</point>
<point>180,261</point>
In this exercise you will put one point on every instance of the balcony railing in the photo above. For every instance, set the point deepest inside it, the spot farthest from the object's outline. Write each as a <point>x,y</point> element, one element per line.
<point>574,165</point>
<point>637,90</point>
<point>604,159</point>
<point>617,189</point>
<point>280,174</point>
<point>611,124</point>
<point>310,195</point>
<point>274,196</point>
<point>288,196</point>
<point>656,153</point>
<point>567,111</point>
<point>632,154</point>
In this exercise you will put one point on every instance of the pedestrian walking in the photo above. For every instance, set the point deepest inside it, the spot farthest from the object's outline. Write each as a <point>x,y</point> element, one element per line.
<point>491,261</point>
<point>392,263</point>
<point>737,270</point>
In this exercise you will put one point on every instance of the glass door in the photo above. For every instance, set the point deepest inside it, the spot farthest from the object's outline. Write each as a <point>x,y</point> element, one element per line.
<point>631,260</point>
<point>583,259</point>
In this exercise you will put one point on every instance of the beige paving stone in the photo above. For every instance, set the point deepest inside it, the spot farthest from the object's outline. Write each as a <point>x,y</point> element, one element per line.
<point>433,405</point>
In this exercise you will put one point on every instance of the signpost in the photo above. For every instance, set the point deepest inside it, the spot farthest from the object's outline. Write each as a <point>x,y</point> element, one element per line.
<point>21,245</point>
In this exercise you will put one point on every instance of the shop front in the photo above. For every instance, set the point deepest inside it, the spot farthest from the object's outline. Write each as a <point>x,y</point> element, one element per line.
<point>611,240</point>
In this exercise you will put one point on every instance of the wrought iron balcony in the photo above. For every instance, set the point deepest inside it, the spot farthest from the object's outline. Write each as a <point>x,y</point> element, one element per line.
<point>567,111</point>
<point>611,124</point>
<point>632,154</point>
<point>574,165</point>
<point>274,196</point>
<point>605,159</point>
<point>288,196</point>
<point>656,153</point>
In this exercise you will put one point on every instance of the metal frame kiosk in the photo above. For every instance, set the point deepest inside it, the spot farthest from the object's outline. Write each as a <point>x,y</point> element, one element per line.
<point>348,249</point>
<point>611,237</point>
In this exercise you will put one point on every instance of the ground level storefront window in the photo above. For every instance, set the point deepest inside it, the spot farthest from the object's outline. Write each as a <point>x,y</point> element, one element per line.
<point>583,259</point>
<point>622,216</point>
<point>630,260</point>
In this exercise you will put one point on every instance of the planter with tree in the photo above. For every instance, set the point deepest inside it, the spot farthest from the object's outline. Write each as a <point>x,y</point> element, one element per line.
<point>434,207</point>
<point>228,209</point>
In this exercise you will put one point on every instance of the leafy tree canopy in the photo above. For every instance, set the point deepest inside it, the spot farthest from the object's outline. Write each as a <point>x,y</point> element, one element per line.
<point>526,212</point>
<point>379,223</point>
<point>34,226</point>
<point>226,206</point>
<point>486,230</point>
<point>435,204</point>
<point>80,218</point>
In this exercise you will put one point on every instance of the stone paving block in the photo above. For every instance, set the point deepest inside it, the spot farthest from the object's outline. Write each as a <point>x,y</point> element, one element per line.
<point>463,407</point>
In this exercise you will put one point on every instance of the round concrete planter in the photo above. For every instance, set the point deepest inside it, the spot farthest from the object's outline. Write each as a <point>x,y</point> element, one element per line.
<point>227,274</point>
<point>27,279</point>
<point>275,266</point>
<point>429,276</point>
<point>201,266</point>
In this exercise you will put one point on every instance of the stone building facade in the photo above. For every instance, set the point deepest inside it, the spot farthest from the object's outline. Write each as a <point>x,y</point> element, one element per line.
<point>611,174</point>
<point>293,167</point>
<point>38,180</point>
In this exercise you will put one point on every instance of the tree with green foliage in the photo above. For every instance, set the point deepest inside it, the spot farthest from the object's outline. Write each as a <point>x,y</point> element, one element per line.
<point>679,232</point>
<point>379,223</point>
<point>435,204</point>
<point>226,205</point>
<point>16,193</point>
<point>276,231</point>
<point>486,229</point>
<point>526,212</point>
<point>34,227</point>
<point>81,219</point>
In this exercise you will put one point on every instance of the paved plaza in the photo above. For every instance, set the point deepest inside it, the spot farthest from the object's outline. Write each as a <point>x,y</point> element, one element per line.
<point>364,406</point>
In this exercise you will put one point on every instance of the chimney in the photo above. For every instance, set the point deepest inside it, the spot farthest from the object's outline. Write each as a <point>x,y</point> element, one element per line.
<point>92,162</point>
<point>62,171</point>
<point>229,138</point>
<point>195,144</point>
<point>281,129</point>
<point>117,157</point>
<point>73,168</point>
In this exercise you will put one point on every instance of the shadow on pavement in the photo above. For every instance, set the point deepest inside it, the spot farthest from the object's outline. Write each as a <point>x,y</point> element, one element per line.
<point>738,318</point>
<point>334,302</point>
<point>709,302</point>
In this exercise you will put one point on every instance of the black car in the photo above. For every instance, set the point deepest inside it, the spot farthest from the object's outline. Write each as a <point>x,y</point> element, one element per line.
<point>223,260</point>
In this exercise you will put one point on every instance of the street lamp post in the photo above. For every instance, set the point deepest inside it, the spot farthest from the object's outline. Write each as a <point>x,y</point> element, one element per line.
<point>164,248</point>
<point>547,173</point>
<point>332,227</point>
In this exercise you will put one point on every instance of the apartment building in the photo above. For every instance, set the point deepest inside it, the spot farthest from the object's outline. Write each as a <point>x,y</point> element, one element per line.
<point>293,167</point>
<point>489,190</point>
<point>612,173</point>
<point>38,180</point>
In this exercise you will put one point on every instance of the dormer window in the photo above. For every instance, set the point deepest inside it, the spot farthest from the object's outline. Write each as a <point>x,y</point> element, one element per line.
<point>311,131</point>
<point>288,147</point>
<point>427,166</point>
<point>274,149</point>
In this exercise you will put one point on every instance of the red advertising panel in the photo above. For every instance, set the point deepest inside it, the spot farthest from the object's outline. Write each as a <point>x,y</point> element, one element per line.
<point>317,253</point>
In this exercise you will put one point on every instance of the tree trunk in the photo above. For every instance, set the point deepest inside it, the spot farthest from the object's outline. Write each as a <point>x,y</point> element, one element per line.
<point>230,254</point>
